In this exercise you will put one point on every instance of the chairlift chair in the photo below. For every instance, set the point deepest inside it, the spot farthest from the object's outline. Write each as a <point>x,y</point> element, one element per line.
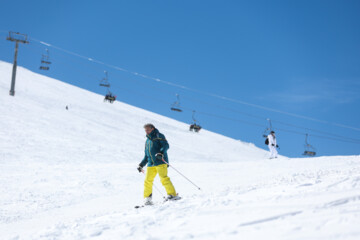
<point>44,68</point>
<point>309,153</point>
<point>309,149</point>
<point>104,82</point>
<point>176,105</point>
<point>194,126</point>
<point>45,61</point>
<point>176,109</point>
<point>110,97</point>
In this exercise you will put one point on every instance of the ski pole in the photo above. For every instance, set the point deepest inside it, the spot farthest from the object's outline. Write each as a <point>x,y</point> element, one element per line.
<point>182,175</point>
<point>157,189</point>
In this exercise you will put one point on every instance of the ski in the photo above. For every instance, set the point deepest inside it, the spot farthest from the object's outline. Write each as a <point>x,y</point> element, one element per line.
<point>165,201</point>
<point>177,198</point>
<point>141,206</point>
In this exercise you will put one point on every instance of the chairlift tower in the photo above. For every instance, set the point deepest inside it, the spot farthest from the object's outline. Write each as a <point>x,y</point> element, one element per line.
<point>17,38</point>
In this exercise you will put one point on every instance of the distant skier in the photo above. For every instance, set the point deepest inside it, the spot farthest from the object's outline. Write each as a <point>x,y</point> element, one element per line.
<point>156,147</point>
<point>272,145</point>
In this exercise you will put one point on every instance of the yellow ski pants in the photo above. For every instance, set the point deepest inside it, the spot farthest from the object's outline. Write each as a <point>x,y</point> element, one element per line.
<point>151,172</point>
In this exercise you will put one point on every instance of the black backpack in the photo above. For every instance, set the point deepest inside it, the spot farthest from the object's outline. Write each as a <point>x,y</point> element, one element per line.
<point>267,141</point>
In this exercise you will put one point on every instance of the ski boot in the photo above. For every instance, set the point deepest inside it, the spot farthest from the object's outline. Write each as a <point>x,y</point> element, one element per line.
<point>173,198</point>
<point>148,200</point>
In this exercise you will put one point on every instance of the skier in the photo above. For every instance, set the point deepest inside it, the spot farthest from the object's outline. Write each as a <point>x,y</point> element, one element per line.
<point>156,147</point>
<point>272,145</point>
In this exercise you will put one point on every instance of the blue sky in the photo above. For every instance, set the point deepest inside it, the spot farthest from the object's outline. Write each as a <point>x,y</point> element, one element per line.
<point>300,57</point>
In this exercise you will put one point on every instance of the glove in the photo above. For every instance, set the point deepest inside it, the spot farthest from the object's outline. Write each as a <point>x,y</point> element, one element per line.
<point>140,168</point>
<point>277,146</point>
<point>159,156</point>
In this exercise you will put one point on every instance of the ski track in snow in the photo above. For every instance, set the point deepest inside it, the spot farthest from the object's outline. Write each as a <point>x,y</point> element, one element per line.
<point>72,175</point>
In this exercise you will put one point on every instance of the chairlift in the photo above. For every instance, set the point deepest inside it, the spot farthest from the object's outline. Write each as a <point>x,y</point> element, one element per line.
<point>104,82</point>
<point>194,126</point>
<point>268,129</point>
<point>176,105</point>
<point>109,97</point>
<point>309,149</point>
<point>45,61</point>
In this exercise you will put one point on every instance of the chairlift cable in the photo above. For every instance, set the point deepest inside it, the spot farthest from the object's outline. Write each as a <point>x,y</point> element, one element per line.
<point>276,121</point>
<point>198,91</point>
<point>285,130</point>
<point>236,120</point>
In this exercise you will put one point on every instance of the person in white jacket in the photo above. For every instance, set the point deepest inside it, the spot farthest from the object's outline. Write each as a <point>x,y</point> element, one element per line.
<point>272,145</point>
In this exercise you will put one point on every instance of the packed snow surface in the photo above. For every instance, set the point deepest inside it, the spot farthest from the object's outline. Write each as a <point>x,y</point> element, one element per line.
<point>71,174</point>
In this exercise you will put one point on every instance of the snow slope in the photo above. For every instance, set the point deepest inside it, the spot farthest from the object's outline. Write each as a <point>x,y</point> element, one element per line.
<point>72,175</point>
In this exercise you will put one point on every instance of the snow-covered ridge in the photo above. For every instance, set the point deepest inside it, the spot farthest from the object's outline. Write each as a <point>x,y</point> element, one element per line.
<point>92,126</point>
<point>72,175</point>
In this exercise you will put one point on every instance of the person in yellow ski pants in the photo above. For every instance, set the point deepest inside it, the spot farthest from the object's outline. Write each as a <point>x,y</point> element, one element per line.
<point>151,172</point>
<point>156,159</point>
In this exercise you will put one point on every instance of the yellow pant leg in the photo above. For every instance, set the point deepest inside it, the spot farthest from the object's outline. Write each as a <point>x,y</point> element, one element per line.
<point>165,180</point>
<point>149,179</point>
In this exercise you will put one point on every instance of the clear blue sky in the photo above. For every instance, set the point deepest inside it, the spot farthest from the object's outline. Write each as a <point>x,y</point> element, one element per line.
<point>301,57</point>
